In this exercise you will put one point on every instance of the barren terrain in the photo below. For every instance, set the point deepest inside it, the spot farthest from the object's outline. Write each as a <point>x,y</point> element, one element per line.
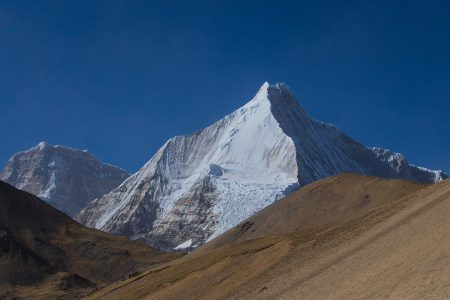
<point>44,254</point>
<point>393,246</point>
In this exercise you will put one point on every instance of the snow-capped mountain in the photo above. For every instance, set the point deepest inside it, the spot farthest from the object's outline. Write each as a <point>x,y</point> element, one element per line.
<point>199,185</point>
<point>66,178</point>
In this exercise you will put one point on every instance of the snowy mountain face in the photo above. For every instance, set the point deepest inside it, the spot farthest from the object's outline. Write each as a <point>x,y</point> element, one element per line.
<point>66,178</point>
<point>199,185</point>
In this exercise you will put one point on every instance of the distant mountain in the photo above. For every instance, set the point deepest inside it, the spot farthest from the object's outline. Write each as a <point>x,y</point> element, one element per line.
<point>199,185</point>
<point>44,254</point>
<point>65,178</point>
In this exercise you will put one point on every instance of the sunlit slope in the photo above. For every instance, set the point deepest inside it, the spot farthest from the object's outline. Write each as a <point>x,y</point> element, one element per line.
<point>396,249</point>
<point>331,200</point>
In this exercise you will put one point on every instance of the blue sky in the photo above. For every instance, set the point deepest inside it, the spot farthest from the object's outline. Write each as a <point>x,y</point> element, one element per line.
<point>121,77</point>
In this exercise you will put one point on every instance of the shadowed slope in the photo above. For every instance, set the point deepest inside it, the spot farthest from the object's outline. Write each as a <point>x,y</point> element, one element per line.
<point>393,247</point>
<point>45,254</point>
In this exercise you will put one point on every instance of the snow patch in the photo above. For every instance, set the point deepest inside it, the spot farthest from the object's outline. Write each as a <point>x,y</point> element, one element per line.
<point>184,245</point>
<point>51,185</point>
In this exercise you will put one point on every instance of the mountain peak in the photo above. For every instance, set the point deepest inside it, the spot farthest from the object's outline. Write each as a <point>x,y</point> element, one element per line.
<point>265,86</point>
<point>279,87</point>
<point>42,145</point>
<point>262,92</point>
<point>277,95</point>
<point>226,172</point>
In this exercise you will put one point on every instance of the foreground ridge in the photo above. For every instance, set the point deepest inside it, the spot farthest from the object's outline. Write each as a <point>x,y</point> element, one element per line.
<point>45,254</point>
<point>344,237</point>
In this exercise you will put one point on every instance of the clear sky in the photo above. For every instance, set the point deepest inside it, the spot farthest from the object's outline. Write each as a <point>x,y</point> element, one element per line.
<point>121,77</point>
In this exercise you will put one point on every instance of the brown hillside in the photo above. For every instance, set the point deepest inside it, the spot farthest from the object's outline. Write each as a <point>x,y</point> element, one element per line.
<point>44,254</point>
<point>326,201</point>
<point>396,249</point>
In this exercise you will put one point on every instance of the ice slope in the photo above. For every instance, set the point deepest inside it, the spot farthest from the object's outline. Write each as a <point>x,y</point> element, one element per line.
<point>199,185</point>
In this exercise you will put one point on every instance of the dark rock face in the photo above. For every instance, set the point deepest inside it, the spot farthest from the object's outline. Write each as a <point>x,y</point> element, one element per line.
<point>192,221</point>
<point>65,178</point>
